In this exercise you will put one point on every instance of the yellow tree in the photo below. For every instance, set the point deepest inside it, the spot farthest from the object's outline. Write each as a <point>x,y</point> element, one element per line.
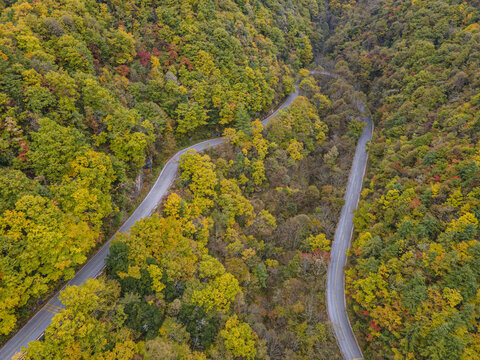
<point>80,331</point>
<point>232,202</point>
<point>239,338</point>
<point>170,241</point>
<point>217,294</point>
<point>44,245</point>
<point>198,172</point>
<point>85,189</point>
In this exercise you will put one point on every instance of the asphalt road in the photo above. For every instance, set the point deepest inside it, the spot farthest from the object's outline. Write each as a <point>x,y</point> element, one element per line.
<point>336,306</point>
<point>35,327</point>
<point>336,303</point>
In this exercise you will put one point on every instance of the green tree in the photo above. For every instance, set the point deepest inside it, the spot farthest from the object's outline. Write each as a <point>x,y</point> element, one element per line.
<point>218,294</point>
<point>44,246</point>
<point>239,338</point>
<point>85,189</point>
<point>190,117</point>
<point>53,147</point>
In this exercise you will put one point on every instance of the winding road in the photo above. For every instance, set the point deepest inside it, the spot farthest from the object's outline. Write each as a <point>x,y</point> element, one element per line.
<point>35,327</point>
<point>336,303</point>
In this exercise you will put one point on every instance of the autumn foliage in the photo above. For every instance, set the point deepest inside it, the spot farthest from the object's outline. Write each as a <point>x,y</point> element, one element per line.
<point>414,281</point>
<point>91,93</point>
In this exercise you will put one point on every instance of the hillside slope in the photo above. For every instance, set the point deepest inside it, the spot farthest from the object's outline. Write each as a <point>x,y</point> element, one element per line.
<point>414,282</point>
<point>91,92</point>
<point>233,265</point>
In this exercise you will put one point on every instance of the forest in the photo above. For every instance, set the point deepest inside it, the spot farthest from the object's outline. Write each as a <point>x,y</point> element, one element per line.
<point>413,281</point>
<point>233,264</point>
<point>96,95</point>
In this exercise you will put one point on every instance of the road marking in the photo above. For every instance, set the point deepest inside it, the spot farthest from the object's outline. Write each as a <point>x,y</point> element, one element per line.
<point>335,282</point>
<point>336,303</point>
<point>26,336</point>
<point>173,160</point>
<point>50,311</point>
<point>349,195</point>
<point>339,254</point>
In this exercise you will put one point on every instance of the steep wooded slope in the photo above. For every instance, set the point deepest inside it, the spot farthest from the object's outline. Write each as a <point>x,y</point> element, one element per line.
<point>414,282</point>
<point>91,91</point>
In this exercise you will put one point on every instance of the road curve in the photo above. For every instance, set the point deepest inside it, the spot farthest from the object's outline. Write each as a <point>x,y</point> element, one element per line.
<point>336,303</point>
<point>35,327</point>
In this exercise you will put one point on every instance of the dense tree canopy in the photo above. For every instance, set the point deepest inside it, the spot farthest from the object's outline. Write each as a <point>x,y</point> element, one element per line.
<point>414,281</point>
<point>91,93</point>
<point>233,264</point>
